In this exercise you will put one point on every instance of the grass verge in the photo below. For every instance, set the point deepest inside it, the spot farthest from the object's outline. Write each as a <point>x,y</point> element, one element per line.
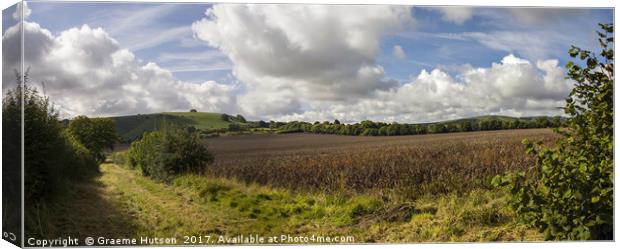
<point>132,205</point>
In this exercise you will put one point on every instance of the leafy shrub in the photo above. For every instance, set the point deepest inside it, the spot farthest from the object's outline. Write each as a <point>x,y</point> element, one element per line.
<point>571,195</point>
<point>82,161</point>
<point>168,152</point>
<point>97,134</point>
<point>52,157</point>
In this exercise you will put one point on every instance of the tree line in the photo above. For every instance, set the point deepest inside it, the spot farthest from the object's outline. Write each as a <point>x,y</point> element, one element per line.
<point>371,128</point>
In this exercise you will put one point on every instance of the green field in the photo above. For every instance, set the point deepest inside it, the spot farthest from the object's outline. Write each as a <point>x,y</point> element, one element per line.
<point>133,126</point>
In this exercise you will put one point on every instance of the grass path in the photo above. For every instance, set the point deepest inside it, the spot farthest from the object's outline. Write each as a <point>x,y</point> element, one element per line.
<point>207,207</point>
<point>158,209</point>
<point>194,205</point>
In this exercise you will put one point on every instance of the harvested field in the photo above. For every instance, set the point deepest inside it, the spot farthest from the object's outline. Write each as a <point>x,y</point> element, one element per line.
<point>436,163</point>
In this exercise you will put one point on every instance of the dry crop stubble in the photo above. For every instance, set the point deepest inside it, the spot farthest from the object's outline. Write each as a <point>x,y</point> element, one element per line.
<point>419,164</point>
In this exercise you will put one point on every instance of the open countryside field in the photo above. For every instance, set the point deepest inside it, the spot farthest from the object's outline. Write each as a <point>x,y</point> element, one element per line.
<point>319,185</point>
<point>406,125</point>
<point>409,165</point>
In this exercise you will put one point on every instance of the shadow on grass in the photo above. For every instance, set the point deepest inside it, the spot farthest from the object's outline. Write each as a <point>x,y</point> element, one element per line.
<point>88,211</point>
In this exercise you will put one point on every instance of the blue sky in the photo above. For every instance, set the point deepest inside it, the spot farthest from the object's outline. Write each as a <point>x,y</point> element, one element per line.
<point>136,26</point>
<point>427,50</point>
<point>182,40</point>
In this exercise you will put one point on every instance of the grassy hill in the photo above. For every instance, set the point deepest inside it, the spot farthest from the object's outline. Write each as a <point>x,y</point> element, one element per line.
<point>202,120</point>
<point>133,126</point>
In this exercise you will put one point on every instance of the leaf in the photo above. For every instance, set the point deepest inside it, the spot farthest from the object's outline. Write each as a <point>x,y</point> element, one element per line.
<point>583,168</point>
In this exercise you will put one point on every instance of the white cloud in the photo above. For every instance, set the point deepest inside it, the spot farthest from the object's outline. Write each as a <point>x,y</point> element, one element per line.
<point>458,15</point>
<point>86,72</point>
<point>398,52</point>
<point>17,15</point>
<point>287,54</point>
<point>513,87</point>
<point>319,67</point>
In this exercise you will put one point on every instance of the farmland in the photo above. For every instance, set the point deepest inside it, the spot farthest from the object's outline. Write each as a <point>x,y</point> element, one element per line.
<point>410,165</point>
<point>376,189</point>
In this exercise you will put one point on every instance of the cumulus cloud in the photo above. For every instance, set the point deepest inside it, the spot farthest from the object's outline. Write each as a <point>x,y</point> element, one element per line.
<point>514,86</point>
<point>398,52</point>
<point>85,71</point>
<point>458,15</point>
<point>289,53</point>
<point>17,15</point>
<point>319,67</point>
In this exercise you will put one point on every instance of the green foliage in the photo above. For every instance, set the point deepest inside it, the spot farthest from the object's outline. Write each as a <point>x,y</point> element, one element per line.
<point>570,193</point>
<point>97,134</point>
<point>52,157</point>
<point>234,127</point>
<point>132,127</point>
<point>168,152</point>
<point>371,128</point>
<point>240,118</point>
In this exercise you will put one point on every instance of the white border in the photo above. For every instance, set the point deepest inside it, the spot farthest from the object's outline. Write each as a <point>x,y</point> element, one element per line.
<point>506,3</point>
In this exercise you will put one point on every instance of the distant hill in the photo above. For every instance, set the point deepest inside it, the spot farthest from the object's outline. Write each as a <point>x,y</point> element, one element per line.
<point>133,126</point>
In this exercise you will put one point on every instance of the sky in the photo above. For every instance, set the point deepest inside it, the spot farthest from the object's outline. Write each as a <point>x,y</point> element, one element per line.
<point>287,62</point>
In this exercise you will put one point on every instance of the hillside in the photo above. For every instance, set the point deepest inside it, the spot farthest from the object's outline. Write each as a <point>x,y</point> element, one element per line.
<point>133,126</point>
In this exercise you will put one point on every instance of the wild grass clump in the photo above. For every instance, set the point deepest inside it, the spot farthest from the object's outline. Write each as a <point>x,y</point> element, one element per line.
<point>478,215</point>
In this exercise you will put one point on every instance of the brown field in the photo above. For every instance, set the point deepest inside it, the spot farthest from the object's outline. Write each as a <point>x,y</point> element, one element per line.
<point>412,165</point>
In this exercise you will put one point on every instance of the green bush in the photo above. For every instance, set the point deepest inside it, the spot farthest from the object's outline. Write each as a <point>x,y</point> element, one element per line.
<point>97,134</point>
<point>52,157</point>
<point>168,152</point>
<point>82,162</point>
<point>570,195</point>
